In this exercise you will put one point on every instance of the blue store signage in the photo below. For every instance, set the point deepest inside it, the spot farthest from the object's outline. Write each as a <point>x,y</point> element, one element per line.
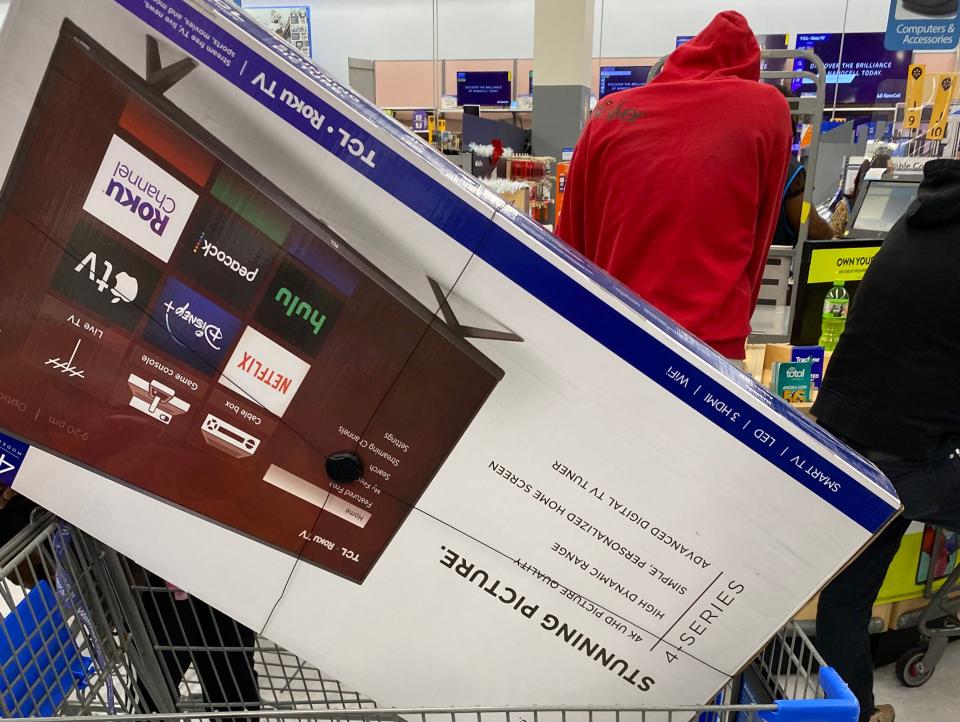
<point>923,25</point>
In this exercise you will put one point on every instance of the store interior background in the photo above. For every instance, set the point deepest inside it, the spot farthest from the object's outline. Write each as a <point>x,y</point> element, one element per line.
<point>498,31</point>
<point>382,30</point>
<point>404,37</point>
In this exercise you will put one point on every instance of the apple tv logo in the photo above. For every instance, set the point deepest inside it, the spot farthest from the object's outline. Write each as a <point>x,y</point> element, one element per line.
<point>105,276</point>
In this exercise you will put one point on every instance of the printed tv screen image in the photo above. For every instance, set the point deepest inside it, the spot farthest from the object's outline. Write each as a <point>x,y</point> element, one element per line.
<point>486,89</point>
<point>178,324</point>
<point>870,74</point>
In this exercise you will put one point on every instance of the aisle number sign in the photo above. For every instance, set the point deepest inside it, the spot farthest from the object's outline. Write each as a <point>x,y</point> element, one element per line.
<point>914,100</point>
<point>941,107</point>
<point>840,264</point>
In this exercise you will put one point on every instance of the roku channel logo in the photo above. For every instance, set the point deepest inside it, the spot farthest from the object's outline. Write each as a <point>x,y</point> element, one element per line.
<point>139,199</point>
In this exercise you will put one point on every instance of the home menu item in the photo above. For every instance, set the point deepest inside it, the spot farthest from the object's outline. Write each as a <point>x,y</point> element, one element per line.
<point>546,464</point>
<point>156,311</point>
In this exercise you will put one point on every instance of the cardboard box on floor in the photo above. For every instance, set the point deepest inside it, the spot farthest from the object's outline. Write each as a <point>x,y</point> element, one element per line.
<point>217,280</point>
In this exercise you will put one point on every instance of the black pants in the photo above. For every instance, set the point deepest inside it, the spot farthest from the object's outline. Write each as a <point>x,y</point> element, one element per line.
<point>930,493</point>
<point>219,648</point>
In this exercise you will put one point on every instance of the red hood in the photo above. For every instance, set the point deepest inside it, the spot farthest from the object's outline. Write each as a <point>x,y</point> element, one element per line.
<point>725,48</point>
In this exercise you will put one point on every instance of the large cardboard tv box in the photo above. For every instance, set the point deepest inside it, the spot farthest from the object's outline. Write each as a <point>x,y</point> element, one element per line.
<point>259,338</point>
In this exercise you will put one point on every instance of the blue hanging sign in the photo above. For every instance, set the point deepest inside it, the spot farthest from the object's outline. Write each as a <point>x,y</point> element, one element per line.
<point>923,25</point>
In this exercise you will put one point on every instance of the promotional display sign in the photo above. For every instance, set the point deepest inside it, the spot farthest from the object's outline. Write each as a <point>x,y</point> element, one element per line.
<point>766,42</point>
<point>260,339</point>
<point>923,25</point>
<point>828,265</point>
<point>614,79</point>
<point>484,88</point>
<point>871,73</point>
<point>823,263</point>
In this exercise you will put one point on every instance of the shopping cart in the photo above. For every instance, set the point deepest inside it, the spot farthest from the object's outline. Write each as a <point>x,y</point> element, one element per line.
<point>86,632</point>
<point>938,623</point>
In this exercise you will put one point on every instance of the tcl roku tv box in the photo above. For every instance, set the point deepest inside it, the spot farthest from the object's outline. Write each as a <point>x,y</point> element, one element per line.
<point>264,341</point>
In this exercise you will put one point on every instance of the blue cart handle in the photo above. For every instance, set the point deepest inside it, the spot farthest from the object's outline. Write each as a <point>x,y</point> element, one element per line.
<point>839,706</point>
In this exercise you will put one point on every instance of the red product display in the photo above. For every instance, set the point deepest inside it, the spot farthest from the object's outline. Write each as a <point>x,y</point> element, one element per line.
<point>674,187</point>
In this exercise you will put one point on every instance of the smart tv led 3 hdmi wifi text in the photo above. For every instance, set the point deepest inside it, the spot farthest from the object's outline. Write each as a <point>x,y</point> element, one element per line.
<point>169,303</point>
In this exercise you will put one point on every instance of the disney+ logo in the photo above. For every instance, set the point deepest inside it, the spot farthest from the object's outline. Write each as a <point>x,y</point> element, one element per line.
<point>191,327</point>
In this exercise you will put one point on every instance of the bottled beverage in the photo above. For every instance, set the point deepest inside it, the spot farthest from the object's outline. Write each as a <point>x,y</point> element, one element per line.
<point>835,308</point>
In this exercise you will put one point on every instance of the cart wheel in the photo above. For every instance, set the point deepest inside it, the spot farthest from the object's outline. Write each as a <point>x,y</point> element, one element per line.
<point>912,671</point>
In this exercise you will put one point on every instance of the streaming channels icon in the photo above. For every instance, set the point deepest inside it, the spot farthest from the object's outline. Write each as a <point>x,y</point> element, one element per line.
<point>191,327</point>
<point>139,199</point>
<point>228,257</point>
<point>297,309</point>
<point>264,372</point>
<point>105,276</point>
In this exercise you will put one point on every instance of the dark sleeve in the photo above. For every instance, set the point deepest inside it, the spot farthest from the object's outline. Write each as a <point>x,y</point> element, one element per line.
<point>796,178</point>
<point>15,517</point>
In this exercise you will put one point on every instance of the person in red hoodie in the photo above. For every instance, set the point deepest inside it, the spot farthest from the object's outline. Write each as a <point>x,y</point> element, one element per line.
<point>675,187</point>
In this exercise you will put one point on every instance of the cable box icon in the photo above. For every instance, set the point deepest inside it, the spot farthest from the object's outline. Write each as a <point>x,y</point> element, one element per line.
<point>228,438</point>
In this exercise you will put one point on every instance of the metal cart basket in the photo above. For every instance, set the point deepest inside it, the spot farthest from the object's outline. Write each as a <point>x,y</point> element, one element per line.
<point>86,632</point>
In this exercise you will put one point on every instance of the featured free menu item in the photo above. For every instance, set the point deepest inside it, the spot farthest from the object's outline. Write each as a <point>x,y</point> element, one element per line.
<point>156,328</point>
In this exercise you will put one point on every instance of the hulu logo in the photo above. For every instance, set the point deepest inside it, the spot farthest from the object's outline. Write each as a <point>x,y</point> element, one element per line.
<point>302,309</point>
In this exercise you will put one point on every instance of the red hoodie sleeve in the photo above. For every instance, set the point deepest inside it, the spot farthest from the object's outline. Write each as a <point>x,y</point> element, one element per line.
<point>570,227</point>
<point>772,179</point>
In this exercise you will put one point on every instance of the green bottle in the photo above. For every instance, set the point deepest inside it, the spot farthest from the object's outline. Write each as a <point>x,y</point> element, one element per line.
<point>835,307</point>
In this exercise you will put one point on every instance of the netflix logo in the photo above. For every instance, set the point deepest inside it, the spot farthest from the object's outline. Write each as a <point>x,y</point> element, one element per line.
<point>264,372</point>
<point>273,379</point>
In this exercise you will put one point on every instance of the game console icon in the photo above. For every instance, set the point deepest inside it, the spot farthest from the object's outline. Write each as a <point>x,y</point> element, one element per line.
<point>228,438</point>
<point>156,400</point>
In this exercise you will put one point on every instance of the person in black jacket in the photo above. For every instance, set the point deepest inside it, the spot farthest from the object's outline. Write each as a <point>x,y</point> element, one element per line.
<point>890,392</point>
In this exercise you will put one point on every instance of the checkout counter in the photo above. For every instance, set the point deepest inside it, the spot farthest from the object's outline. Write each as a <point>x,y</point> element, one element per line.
<point>925,551</point>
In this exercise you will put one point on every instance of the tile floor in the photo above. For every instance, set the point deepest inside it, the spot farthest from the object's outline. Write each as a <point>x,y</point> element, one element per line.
<point>936,701</point>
